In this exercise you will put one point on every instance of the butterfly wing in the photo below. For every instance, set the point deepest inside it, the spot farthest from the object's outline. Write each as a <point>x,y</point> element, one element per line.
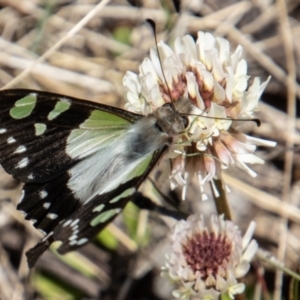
<point>93,216</point>
<point>35,127</point>
<point>80,161</point>
<point>42,136</point>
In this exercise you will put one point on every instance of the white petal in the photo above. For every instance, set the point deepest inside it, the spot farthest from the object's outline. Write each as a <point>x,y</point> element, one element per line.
<point>250,251</point>
<point>164,50</point>
<point>224,50</point>
<point>244,167</point>
<point>131,81</point>
<point>250,158</point>
<point>190,45</point>
<point>208,80</point>
<point>156,62</point>
<point>248,235</point>
<point>219,93</point>
<point>260,142</point>
<point>229,84</point>
<point>217,69</point>
<point>242,269</point>
<point>241,68</point>
<point>235,58</point>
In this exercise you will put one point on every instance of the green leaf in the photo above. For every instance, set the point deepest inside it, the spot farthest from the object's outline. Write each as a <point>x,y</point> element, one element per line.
<point>130,217</point>
<point>51,289</point>
<point>107,239</point>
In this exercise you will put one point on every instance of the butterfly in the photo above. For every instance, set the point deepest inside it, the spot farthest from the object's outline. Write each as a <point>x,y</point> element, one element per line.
<point>80,161</point>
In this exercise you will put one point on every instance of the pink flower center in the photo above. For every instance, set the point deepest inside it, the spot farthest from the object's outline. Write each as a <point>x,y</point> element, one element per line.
<point>206,252</point>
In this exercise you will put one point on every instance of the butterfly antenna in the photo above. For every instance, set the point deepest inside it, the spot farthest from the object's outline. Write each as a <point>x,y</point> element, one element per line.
<point>257,121</point>
<point>153,26</point>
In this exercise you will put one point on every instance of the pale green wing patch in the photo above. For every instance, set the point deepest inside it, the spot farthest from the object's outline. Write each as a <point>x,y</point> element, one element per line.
<point>125,194</point>
<point>59,108</point>
<point>40,128</point>
<point>141,167</point>
<point>23,107</point>
<point>104,120</point>
<point>105,216</point>
<point>95,133</point>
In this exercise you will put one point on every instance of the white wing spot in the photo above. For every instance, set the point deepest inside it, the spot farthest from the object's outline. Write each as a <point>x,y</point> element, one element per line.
<point>30,176</point>
<point>52,216</point>
<point>2,130</point>
<point>46,205</point>
<point>67,223</point>
<point>22,163</point>
<point>75,222</point>
<point>43,194</point>
<point>73,237</point>
<point>82,241</point>
<point>20,149</point>
<point>11,140</point>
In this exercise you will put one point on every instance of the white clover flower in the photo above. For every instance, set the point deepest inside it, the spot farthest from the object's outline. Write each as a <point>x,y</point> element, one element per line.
<point>207,258</point>
<point>216,83</point>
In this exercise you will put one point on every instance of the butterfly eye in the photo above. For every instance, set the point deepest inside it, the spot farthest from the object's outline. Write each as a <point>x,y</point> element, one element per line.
<point>185,121</point>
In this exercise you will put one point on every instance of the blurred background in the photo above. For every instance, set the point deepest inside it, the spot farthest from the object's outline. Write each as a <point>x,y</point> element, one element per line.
<point>125,259</point>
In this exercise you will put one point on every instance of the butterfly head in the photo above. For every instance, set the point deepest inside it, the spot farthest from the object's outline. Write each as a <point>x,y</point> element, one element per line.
<point>170,120</point>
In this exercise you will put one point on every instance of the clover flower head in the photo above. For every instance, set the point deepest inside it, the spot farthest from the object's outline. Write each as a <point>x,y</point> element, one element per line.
<point>215,82</point>
<point>207,258</point>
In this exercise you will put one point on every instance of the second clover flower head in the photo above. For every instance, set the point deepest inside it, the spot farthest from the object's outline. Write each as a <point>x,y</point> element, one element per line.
<point>208,257</point>
<point>216,83</point>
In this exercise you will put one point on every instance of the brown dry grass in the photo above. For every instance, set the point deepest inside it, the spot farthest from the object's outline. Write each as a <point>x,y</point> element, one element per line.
<point>44,45</point>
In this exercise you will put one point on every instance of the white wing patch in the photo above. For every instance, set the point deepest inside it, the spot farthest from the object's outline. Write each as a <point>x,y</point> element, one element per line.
<point>22,163</point>
<point>20,149</point>
<point>82,143</point>
<point>52,216</point>
<point>11,140</point>
<point>43,194</point>
<point>115,159</point>
<point>46,205</point>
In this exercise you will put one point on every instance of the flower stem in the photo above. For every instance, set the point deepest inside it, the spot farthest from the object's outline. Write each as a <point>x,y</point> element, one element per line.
<point>221,202</point>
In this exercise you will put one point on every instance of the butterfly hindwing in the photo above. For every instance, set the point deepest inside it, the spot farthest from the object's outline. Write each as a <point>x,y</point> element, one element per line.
<point>46,204</point>
<point>94,215</point>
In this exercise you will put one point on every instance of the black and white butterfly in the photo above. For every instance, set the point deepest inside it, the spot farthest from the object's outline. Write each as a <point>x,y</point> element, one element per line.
<point>80,161</point>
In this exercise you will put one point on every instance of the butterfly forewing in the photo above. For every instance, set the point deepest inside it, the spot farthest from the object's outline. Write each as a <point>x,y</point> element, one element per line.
<point>35,128</point>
